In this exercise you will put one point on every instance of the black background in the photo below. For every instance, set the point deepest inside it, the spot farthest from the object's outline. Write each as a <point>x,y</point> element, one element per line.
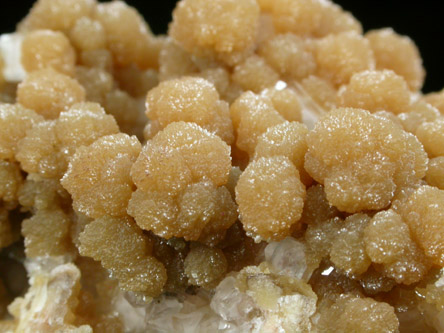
<point>423,21</point>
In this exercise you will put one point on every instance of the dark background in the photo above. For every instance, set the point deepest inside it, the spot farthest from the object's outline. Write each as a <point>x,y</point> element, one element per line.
<point>423,21</point>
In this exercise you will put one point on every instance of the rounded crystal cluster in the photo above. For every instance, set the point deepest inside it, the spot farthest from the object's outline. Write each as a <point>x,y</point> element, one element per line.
<point>265,166</point>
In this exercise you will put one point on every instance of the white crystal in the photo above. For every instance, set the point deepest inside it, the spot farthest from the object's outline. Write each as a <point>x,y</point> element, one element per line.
<point>440,282</point>
<point>280,85</point>
<point>11,50</point>
<point>311,111</point>
<point>46,307</point>
<point>193,314</point>
<point>230,303</point>
<point>196,315</point>
<point>160,313</point>
<point>287,257</point>
<point>133,317</point>
<point>45,264</point>
<point>296,311</point>
<point>309,118</point>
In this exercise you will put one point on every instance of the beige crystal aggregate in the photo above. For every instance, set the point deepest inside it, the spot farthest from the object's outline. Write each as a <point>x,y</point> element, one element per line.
<point>88,34</point>
<point>286,101</point>
<point>388,242</point>
<point>354,314</point>
<point>15,120</point>
<point>48,49</point>
<point>127,255</point>
<point>57,15</point>
<point>435,172</point>
<point>48,146</point>
<point>431,135</point>
<point>98,175</point>
<point>44,222</point>
<point>48,92</point>
<point>128,36</point>
<point>418,113</point>
<point>348,251</point>
<point>287,139</point>
<point>38,153</point>
<point>100,58</point>
<point>254,74</point>
<point>423,214</point>
<point>82,124</point>
<point>42,194</point>
<point>128,112</point>
<point>11,180</point>
<point>321,91</point>
<point>251,115</point>
<point>289,55</point>
<point>205,266</point>
<point>340,56</point>
<point>174,61</point>
<point>376,91</point>
<point>179,176</point>
<point>188,99</point>
<point>279,194</point>
<point>312,18</point>
<point>436,99</point>
<point>398,53</point>
<point>97,82</point>
<point>362,159</point>
<point>136,82</point>
<point>226,31</point>
<point>264,166</point>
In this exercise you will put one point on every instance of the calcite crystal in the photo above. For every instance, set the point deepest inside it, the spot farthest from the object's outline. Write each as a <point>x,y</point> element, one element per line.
<point>264,167</point>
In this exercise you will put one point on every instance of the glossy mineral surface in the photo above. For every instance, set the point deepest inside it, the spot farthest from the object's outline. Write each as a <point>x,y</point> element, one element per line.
<point>266,166</point>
